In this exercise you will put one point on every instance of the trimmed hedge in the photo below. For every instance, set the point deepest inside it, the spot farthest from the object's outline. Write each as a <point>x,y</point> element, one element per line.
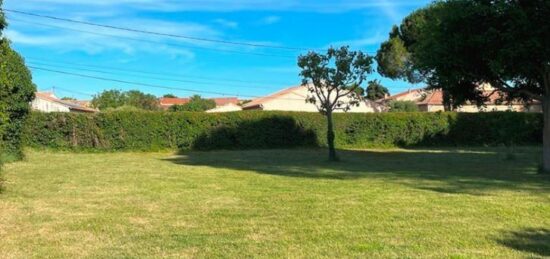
<point>149,131</point>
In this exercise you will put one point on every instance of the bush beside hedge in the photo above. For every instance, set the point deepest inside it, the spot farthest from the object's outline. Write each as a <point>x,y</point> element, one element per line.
<point>149,131</point>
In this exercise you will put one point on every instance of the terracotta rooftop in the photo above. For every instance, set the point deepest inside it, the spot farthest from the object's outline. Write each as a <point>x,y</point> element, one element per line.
<point>410,91</point>
<point>167,102</point>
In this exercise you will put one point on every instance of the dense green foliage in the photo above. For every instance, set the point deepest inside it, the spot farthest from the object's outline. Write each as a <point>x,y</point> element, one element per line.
<point>402,106</point>
<point>456,45</point>
<point>167,130</point>
<point>112,99</point>
<point>3,115</point>
<point>169,96</point>
<point>16,92</point>
<point>376,91</point>
<point>196,104</point>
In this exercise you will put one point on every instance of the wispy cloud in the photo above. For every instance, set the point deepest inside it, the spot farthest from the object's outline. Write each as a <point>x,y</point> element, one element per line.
<point>270,20</point>
<point>389,8</point>
<point>213,5</point>
<point>227,23</point>
<point>91,41</point>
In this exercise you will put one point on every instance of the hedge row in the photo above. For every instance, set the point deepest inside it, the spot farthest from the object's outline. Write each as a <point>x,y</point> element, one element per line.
<point>150,131</point>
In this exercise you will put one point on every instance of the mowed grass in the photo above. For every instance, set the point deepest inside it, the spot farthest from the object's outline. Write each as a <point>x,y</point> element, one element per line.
<point>277,203</point>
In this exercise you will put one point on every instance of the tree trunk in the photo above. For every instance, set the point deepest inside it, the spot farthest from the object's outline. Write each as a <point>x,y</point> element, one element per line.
<point>546,134</point>
<point>330,139</point>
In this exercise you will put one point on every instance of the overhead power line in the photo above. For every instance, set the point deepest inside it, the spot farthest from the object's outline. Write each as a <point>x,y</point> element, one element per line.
<point>127,82</point>
<point>150,85</point>
<point>156,42</point>
<point>72,91</point>
<point>158,33</point>
<point>140,72</point>
<point>153,78</point>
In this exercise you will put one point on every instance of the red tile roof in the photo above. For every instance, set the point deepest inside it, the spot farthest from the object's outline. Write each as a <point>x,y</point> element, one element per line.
<point>434,97</point>
<point>225,101</point>
<point>167,102</point>
<point>410,91</point>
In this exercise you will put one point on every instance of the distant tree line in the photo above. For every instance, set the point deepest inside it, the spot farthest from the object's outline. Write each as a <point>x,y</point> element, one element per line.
<point>116,99</point>
<point>110,100</point>
<point>196,104</point>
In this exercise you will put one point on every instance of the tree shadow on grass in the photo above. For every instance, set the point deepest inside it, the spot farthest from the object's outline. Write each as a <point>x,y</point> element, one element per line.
<point>446,171</point>
<point>533,240</point>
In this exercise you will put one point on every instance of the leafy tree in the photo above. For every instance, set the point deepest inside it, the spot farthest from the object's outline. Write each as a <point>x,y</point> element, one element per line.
<point>141,100</point>
<point>124,108</point>
<point>16,92</point>
<point>68,98</point>
<point>195,104</point>
<point>402,106</point>
<point>376,91</point>
<point>334,83</point>
<point>169,96</point>
<point>456,45</point>
<point>116,98</point>
<point>109,99</point>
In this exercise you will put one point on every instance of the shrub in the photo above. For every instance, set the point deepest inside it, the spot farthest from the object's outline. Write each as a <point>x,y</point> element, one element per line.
<point>402,106</point>
<point>16,92</point>
<point>149,131</point>
<point>195,104</point>
<point>114,99</point>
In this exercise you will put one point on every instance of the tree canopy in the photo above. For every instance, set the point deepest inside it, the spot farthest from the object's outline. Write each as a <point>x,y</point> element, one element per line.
<point>376,91</point>
<point>116,98</point>
<point>334,83</point>
<point>195,104</point>
<point>16,92</point>
<point>402,106</point>
<point>457,45</point>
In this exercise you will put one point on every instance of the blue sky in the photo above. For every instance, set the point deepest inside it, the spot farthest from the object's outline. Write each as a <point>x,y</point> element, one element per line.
<point>195,65</point>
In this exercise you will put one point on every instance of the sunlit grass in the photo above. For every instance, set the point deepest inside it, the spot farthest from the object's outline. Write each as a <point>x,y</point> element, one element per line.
<point>277,203</point>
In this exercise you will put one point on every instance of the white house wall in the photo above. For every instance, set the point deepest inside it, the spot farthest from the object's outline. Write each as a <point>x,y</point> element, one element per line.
<point>48,106</point>
<point>295,101</point>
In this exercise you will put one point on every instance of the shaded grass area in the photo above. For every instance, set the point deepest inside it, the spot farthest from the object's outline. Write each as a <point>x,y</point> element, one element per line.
<point>277,203</point>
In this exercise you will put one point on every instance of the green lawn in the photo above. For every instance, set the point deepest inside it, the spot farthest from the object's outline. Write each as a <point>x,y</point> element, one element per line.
<point>277,203</point>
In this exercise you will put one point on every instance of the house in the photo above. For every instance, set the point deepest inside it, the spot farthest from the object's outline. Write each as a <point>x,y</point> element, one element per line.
<point>432,101</point>
<point>166,102</point>
<point>48,102</point>
<point>230,107</point>
<point>294,99</point>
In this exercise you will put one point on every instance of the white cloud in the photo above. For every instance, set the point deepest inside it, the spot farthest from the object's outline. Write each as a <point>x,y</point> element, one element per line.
<point>212,5</point>
<point>227,23</point>
<point>67,41</point>
<point>390,9</point>
<point>21,38</point>
<point>270,19</point>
